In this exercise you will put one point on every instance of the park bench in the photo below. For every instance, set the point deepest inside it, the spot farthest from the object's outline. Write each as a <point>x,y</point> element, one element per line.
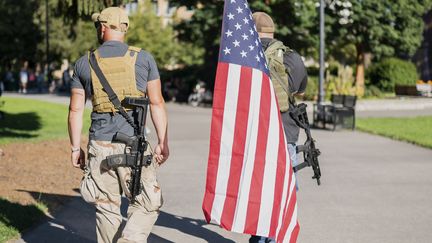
<point>341,111</point>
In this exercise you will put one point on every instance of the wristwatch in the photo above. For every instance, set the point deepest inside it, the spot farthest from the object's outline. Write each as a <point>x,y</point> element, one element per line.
<point>75,149</point>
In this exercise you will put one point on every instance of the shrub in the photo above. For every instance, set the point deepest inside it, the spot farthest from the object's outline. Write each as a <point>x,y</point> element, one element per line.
<point>390,72</point>
<point>373,91</point>
<point>311,92</point>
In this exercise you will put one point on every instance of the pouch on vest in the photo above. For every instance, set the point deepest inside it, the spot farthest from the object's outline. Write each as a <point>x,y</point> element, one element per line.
<point>279,73</point>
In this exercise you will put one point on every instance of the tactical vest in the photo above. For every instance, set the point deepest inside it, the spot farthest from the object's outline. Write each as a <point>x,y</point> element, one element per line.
<point>120,73</point>
<point>279,73</point>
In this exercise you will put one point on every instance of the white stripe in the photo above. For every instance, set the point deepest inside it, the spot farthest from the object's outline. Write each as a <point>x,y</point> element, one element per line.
<point>289,195</point>
<point>267,196</point>
<point>249,152</point>
<point>227,136</point>
<point>284,192</point>
<point>291,225</point>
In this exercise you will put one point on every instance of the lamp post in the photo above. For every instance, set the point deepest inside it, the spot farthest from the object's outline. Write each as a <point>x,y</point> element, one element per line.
<point>47,35</point>
<point>321,93</point>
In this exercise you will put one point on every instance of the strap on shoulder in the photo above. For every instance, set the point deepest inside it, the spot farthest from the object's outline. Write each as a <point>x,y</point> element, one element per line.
<point>134,48</point>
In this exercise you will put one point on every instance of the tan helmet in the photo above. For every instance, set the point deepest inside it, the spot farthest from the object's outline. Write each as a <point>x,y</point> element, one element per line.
<point>263,22</point>
<point>113,17</point>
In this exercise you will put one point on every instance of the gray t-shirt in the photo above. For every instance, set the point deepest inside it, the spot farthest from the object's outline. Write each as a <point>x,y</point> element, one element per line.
<point>297,81</point>
<point>105,125</point>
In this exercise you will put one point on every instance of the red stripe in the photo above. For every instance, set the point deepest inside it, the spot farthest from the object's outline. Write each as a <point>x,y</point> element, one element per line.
<point>294,234</point>
<point>287,218</point>
<point>279,182</point>
<point>215,137</point>
<point>240,131</point>
<point>253,210</point>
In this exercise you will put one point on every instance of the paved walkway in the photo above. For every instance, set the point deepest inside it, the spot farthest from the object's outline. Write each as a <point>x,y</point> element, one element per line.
<point>373,190</point>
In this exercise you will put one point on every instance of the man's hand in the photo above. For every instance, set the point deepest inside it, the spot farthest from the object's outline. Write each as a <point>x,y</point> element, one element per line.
<point>161,153</point>
<point>78,159</point>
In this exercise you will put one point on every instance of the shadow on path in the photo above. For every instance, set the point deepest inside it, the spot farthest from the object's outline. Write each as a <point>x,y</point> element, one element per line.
<point>76,222</point>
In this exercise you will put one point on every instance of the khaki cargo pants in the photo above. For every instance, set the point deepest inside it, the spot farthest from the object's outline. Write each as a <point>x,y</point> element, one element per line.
<point>103,188</point>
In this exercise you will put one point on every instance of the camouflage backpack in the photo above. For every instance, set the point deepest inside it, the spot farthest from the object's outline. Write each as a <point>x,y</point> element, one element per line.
<point>279,73</point>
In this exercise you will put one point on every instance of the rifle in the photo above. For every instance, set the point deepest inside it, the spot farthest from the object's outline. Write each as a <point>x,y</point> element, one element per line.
<point>310,152</point>
<point>137,144</point>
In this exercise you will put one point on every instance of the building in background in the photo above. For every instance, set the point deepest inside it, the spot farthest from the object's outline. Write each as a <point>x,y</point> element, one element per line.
<point>166,11</point>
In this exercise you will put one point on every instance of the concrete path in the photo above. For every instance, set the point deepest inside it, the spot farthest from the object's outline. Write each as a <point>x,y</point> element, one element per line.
<point>373,190</point>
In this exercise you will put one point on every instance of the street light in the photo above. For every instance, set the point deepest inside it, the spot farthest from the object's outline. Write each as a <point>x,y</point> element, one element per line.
<point>321,93</point>
<point>344,14</point>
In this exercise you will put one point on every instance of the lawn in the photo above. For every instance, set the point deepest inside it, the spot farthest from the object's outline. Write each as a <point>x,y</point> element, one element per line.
<point>32,121</point>
<point>416,130</point>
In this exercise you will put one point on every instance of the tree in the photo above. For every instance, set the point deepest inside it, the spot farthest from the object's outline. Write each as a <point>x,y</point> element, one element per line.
<point>385,28</point>
<point>19,34</point>
<point>146,31</point>
<point>295,25</point>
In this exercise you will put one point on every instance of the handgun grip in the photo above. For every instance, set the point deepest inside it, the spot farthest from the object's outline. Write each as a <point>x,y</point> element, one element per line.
<point>121,137</point>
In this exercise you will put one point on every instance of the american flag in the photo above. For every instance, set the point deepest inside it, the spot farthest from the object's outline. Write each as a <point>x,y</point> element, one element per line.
<point>250,184</point>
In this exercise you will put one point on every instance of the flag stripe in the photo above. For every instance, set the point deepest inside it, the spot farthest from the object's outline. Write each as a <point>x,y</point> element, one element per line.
<point>250,149</point>
<point>289,225</point>
<point>271,165</point>
<point>295,231</point>
<point>285,192</point>
<point>260,160</point>
<point>289,209</point>
<point>238,146</point>
<point>279,183</point>
<point>215,137</point>
<point>232,90</point>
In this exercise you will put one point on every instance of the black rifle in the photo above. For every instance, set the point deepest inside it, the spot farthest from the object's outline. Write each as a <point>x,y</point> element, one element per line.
<point>310,152</point>
<point>137,144</point>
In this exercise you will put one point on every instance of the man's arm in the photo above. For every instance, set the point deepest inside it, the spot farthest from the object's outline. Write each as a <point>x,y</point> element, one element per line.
<point>298,74</point>
<point>75,123</point>
<point>159,118</point>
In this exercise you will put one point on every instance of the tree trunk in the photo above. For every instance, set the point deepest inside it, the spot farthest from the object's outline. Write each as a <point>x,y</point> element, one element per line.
<point>360,73</point>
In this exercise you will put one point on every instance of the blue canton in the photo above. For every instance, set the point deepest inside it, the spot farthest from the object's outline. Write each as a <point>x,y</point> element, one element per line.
<point>240,43</point>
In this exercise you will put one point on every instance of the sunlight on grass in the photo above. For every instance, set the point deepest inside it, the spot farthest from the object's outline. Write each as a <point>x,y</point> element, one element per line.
<point>31,120</point>
<point>417,130</point>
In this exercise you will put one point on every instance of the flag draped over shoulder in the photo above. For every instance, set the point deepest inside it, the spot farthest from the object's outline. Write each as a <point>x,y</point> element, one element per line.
<point>250,184</point>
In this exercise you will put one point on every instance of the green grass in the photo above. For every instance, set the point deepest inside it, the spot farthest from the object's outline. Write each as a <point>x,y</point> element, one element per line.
<point>14,218</point>
<point>28,120</point>
<point>416,130</point>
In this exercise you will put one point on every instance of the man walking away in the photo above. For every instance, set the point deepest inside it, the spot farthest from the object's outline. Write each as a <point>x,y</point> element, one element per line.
<point>131,72</point>
<point>289,79</point>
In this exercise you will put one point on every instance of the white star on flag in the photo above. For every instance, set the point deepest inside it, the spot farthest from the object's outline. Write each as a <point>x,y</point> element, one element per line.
<point>230,16</point>
<point>251,31</point>
<point>228,33</point>
<point>257,58</point>
<point>243,54</point>
<point>236,43</point>
<point>238,26</point>
<point>246,21</point>
<point>245,37</point>
<point>227,50</point>
<point>251,47</point>
<point>239,10</point>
